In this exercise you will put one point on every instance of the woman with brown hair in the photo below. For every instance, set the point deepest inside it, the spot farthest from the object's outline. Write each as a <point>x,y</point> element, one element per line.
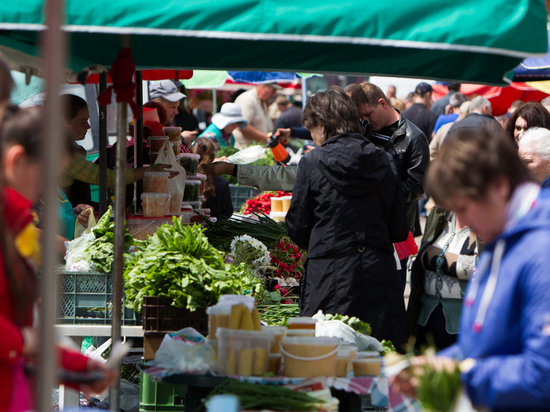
<point>347,209</point>
<point>217,195</point>
<point>530,114</point>
<point>504,340</point>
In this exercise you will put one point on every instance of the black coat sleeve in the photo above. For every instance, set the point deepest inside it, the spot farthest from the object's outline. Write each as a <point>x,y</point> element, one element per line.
<point>416,164</point>
<point>299,218</point>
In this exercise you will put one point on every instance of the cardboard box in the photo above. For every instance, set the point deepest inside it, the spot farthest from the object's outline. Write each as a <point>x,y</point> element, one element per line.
<point>151,344</point>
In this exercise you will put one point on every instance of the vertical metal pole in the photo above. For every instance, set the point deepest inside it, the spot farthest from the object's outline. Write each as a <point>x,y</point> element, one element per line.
<point>138,138</point>
<point>214,101</point>
<point>120,203</point>
<point>102,148</point>
<point>54,54</point>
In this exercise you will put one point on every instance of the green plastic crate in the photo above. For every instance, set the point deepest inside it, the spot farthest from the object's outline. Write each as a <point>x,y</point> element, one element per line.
<point>160,397</point>
<point>240,194</point>
<point>87,298</point>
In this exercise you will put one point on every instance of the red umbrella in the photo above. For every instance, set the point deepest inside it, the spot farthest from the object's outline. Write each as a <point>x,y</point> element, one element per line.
<point>502,97</point>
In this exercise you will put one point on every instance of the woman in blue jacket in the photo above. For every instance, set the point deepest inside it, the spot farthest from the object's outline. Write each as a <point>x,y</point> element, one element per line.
<point>504,340</point>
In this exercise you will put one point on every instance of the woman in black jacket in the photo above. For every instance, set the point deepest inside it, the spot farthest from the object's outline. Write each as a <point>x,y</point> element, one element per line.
<point>347,209</point>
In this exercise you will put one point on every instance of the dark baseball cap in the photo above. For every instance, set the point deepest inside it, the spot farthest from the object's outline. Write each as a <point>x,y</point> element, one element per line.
<point>422,88</point>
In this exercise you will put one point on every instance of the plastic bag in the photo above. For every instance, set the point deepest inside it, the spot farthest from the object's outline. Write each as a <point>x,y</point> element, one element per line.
<point>338,329</point>
<point>185,351</point>
<point>167,156</point>
<point>247,155</point>
<point>79,229</point>
<point>74,256</point>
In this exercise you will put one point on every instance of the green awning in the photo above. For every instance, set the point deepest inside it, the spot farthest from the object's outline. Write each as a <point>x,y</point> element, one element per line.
<point>467,40</point>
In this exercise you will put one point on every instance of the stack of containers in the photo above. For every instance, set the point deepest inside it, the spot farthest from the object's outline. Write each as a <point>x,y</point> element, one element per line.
<point>155,144</point>
<point>174,135</point>
<point>279,207</point>
<point>190,162</point>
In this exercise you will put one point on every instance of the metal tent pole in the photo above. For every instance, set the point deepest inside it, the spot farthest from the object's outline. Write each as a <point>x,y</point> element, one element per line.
<point>102,148</point>
<point>120,203</point>
<point>54,53</point>
<point>138,137</point>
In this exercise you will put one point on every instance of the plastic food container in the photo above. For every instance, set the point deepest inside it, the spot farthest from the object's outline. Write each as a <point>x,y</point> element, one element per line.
<point>190,163</point>
<point>195,205</point>
<point>175,202</point>
<point>173,133</point>
<point>309,357</point>
<point>141,227</point>
<point>286,202</point>
<point>279,332</point>
<point>154,204</point>
<point>301,333</point>
<point>156,182</point>
<point>153,157</point>
<point>219,314</point>
<point>176,148</point>
<point>278,216</point>
<point>202,178</point>
<point>274,363</point>
<point>345,354</point>
<point>243,352</point>
<point>276,204</point>
<point>156,142</point>
<point>192,188</point>
<point>301,322</point>
<point>367,366</point>
<point>367,354</point>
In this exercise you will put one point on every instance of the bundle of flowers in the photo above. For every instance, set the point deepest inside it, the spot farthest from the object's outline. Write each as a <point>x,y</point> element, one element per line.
<point>250,251</point>
<point>287,260</point>
<point>262,202</point>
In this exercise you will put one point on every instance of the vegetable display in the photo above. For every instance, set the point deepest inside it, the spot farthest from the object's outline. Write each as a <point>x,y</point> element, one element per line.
<point>179,265</point>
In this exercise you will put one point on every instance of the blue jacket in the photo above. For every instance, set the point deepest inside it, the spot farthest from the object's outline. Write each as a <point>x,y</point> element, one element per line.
<point>512,347</point>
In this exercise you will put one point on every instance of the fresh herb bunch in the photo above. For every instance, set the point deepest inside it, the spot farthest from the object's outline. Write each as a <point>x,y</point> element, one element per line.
<point>272,397</point>
<point>179,265</point>
<point>250,251</point>
<point>287,259</point>
<point>266,230</point>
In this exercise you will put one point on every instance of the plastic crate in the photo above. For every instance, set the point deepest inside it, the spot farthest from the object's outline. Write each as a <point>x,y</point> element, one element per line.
<point>160,397</point>
<point>159,317</point>
<point>240,194</point>
<point>366,405</point>
<point>87,298</point>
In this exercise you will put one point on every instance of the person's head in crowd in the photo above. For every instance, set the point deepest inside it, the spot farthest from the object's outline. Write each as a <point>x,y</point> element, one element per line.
<point>423,94</point>
<point>399,104</point>
<point>282,103</point>
<point>464,109</point>
<point>530,114</point>
<point>266,92</point>
<point>21,144</point>
<point>349,88</point>
<point>183,103</point>
<point>457,99</point>
<point>330,113</point>
<point>475,174</point>
<point>161,111</point>
<point>546,103</point>
<point>392,92</point>
<point>534,150</point>
<point>166,92</point>
<point>453,86</point>
<point>516,104</point>
<point>481,105</point>
<point>229,118</point>
<point>76,115</point>
<point>373,105</point>
<point>409,100</point>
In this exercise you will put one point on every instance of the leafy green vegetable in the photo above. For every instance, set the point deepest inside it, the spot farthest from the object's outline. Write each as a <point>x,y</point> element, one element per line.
<point>179,265</point>
<point>355,323</point>
<point>388,346</point>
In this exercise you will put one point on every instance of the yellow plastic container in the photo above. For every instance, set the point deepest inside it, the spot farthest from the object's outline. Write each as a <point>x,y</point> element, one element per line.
<point>309,357</point>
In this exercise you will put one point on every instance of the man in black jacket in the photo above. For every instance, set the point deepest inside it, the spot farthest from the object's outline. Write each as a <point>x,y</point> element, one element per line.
<point>399,137</point>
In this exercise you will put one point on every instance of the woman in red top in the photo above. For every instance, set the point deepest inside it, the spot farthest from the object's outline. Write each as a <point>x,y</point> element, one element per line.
<point>21,181</point>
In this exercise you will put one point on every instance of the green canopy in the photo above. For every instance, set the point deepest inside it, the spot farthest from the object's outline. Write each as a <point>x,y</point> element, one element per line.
<point>467,40</point>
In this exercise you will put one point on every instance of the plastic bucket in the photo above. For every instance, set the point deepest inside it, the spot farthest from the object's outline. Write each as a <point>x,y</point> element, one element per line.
<point>309,357</point>
<point>156,142</point>
<point>367,366</point>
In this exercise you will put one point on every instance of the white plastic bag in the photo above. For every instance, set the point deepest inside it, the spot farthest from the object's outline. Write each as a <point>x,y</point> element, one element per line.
<point>167,156</point>
<point>74,256</point>
<point>247,155</point>
<point>79,229</point>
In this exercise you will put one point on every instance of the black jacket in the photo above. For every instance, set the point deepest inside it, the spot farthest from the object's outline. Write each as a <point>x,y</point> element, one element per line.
<point>411,154</point>
<point>347,210</point>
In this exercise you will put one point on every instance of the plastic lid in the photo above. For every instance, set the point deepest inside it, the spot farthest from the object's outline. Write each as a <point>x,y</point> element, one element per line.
<point>367,354</point>
<point>277,214</point>
<point>308,341</point>
<point>151,194</point>
<point>192,182</point>
<point>197,177</point>
<point>301,320</point>
<point>191,155</point>
<point>158,137</point>
<point>170,128</point>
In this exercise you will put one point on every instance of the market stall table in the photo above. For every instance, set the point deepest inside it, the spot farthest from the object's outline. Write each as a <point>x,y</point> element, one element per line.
<point>382,396</point>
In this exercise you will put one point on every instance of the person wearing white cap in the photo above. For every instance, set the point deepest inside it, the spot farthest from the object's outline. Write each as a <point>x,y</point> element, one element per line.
<point>224,123</point>
<point>166,93</point>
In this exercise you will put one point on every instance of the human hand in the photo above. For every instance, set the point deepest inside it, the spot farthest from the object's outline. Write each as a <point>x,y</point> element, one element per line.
<point>218,168</point>
<point>30,343</point>
<point>189,136</point>
<point>221,159</point>
<point>82,212</point>
<point>101,385</point>
<point>161,167</point>
<point>284,134</point>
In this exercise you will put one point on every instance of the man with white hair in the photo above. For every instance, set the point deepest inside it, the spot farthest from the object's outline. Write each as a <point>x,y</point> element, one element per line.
<point>480,116</point>
<point>534,150</point>
<point>546,103</point>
